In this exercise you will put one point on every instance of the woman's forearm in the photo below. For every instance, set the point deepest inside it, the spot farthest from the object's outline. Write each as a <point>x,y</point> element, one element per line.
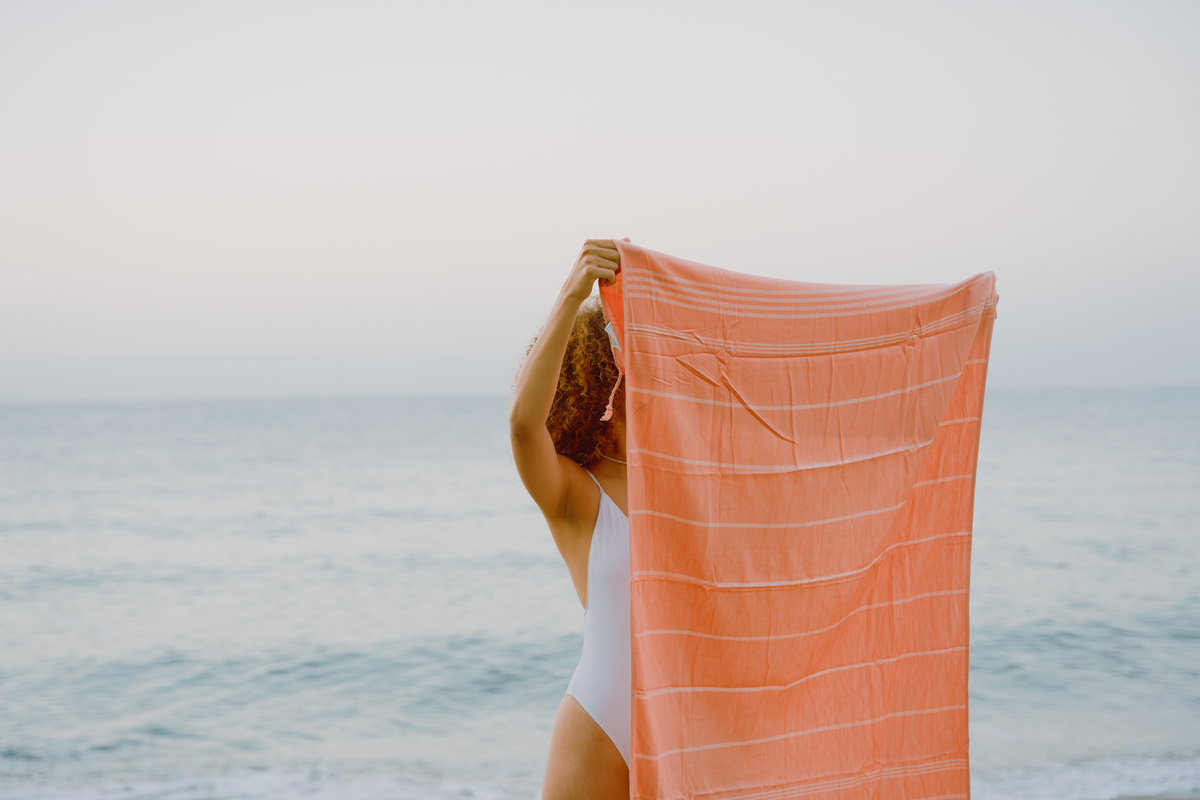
<point>538,381</point>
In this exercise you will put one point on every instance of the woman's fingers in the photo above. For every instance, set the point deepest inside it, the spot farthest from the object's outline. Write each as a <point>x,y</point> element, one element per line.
<point>607,276</point>
<point>599,261</point>
<point>607,252</point>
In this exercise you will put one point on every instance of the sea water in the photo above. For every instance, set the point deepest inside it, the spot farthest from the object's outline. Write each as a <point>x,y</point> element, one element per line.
<point>357,599</point>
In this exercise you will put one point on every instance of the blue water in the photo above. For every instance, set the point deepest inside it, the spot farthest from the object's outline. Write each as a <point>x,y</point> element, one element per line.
<point>357,599</point>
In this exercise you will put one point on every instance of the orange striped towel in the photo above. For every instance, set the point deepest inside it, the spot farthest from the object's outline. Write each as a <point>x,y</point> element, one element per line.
<point>801,490</point>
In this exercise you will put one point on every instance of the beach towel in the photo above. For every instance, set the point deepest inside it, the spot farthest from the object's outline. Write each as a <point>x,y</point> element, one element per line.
<point>802,463</point>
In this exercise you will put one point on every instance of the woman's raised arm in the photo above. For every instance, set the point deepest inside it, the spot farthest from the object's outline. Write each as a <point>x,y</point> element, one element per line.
<point>542,470</point>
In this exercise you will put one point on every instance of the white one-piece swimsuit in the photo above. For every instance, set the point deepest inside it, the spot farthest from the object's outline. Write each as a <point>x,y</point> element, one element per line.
<point>602,680</point>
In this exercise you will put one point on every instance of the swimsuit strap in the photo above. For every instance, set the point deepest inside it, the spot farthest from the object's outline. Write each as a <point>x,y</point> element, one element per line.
<point>604,494</point>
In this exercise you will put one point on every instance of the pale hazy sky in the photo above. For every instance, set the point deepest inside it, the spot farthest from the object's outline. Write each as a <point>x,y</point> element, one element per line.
<point>275,198</point>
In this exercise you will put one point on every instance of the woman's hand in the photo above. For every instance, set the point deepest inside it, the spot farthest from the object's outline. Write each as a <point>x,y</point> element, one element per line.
<point>599,260</point>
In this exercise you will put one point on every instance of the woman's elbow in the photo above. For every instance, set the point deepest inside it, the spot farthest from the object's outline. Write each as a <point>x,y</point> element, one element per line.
<point>521,427</point>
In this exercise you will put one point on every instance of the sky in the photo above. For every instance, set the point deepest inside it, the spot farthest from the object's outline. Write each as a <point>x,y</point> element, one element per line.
<point>245,199</point>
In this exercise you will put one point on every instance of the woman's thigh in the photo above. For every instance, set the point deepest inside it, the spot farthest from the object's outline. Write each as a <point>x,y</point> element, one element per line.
<point>583,763</point>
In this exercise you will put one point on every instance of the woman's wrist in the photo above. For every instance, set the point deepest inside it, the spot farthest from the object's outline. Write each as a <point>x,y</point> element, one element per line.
<point>573,297</point>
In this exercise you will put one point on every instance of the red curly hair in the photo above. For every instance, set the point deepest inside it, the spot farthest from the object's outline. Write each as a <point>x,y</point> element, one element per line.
<point>585,382</point>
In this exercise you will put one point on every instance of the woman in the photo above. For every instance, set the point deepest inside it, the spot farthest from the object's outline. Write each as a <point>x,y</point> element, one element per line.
<point>572,462</point>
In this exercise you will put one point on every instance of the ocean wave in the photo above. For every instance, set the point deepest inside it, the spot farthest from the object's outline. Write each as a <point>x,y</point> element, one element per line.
<point>1174,776</point>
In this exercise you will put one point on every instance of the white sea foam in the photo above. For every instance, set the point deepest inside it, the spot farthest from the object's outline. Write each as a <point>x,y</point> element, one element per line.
<point>316,783</point>
<point>1100,779</point>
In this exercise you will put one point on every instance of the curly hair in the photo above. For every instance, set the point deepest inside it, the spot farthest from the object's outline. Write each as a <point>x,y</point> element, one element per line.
<point>585,382</point>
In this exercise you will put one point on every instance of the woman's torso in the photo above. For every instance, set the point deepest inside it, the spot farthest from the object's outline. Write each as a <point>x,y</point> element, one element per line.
<point>578,554</point>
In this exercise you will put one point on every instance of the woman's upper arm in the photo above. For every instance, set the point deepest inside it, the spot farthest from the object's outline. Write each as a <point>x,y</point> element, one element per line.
<point>550,477</point>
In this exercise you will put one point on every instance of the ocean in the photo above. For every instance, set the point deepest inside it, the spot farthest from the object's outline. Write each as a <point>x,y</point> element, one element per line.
<point>355,598</point>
